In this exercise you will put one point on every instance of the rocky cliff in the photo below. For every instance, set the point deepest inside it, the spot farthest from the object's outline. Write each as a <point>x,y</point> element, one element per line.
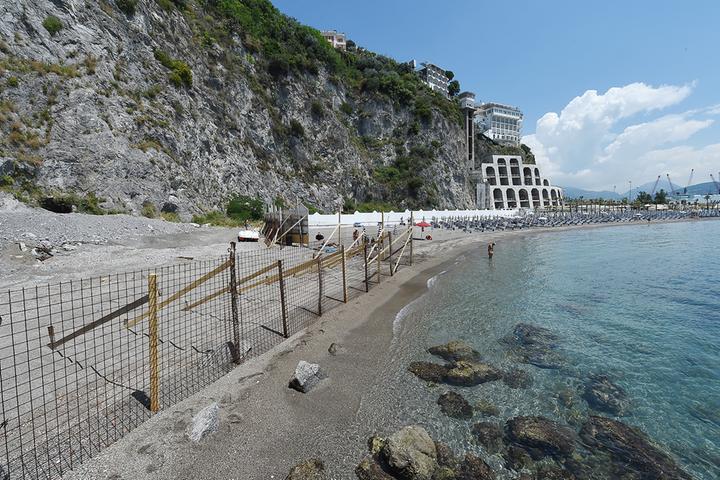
<point>181,104</point>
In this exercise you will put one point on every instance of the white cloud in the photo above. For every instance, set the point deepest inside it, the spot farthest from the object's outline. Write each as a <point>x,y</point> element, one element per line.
<point>578,147</point>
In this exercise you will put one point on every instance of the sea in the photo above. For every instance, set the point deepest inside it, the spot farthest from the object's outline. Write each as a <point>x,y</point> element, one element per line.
<point>639,304</point>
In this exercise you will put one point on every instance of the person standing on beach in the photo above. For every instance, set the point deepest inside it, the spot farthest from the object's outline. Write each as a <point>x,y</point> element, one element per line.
<point>491,249</point>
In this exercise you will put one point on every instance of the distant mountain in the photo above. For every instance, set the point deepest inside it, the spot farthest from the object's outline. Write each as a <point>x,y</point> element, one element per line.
<point>572,192</point>
<point>697,189</point>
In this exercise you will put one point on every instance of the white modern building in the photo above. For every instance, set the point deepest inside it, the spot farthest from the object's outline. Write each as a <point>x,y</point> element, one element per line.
<point>335,38</point>
<point>507,182</point>
<point>435,78</point>
<point>502,123</point>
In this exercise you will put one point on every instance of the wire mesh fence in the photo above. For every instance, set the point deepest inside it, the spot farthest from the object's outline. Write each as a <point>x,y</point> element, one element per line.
<point>84,362</point>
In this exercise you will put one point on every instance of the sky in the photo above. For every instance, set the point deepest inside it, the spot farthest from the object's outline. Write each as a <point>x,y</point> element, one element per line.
<point>612,91</point>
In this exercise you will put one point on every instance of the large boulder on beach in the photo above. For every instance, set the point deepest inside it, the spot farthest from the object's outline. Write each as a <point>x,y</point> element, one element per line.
<point>306,376</point>
<point>428,371</point>
<point>605,396</point>
<point>454,405</point>
<point>410,454</point>
<point>312,469</point>
<point>540,436</point>
<point>454,351</point>
<point>204,423</point>
<point>468,374</point>
<point>489,435</point>
<point>630,449</point>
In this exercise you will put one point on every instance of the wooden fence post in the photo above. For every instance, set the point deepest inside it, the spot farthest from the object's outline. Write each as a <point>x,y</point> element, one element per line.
<point>344,274</point>
<point>367,283</point>
<point>412,231</point>
<point>320,286</point>
<point>234,305</point>
<point>389,257</point>
<point>153,335</point>
<point>377,257</point>
<point>282,298</point>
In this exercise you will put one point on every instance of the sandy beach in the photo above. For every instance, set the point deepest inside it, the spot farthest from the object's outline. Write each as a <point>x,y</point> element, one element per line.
<point>265,427</point>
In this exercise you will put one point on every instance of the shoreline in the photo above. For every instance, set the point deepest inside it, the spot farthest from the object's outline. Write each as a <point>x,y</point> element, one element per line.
<point>266,428</point>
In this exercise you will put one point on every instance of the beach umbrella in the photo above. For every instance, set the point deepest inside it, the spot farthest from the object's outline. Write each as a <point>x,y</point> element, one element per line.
<point>423,224</point>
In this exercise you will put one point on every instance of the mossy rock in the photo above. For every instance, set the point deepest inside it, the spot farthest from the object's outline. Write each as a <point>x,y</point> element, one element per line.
<point>454,351</point>
<point>467,374</point>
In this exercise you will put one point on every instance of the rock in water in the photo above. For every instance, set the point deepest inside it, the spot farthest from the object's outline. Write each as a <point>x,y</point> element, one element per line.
<point>526,334</point>
<point>445,456</point>
<point>428,371</point>
<point>312,469</point>
<point>204,422</point>
<point>467,374</point>
<point>540,436</point>
<point>486,409</point>
<point>306,376</point>
<point>603,395</point>
<point>631,449</point>
<point>410,454</point>
<point>517,458</point>
<point>454,351</point>
<point>535,346</point>
<point>474,468</point>
<point>368,469</point>
<point>489,435</point>
<point>454,405</point>
<point>517,378</point>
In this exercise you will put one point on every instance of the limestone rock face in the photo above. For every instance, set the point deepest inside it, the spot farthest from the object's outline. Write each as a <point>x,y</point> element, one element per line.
<point>410,454</point>
<point>109,120</point>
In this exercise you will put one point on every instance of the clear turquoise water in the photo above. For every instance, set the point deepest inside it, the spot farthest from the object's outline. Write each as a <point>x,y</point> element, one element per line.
<point>640,303</point>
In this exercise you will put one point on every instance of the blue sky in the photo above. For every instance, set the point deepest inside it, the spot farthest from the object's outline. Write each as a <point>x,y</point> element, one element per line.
<point>659,58</point>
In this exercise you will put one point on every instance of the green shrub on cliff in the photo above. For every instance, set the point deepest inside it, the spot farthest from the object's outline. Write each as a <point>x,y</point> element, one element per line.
<point>243,208</point>
<point>180,73</point>
<point>52,24</point>
<point>128,7</point>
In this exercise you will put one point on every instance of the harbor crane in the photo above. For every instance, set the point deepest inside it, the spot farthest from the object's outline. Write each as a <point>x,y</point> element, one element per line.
<point>672,187</point>
<point>717,185</point>
<point>692,172</point>
<point>655,186</point>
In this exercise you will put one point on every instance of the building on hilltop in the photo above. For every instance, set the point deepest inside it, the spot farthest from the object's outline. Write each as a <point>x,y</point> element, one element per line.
<point>435,78</point>
<point>502,123</point>
<point>467,105</point>
<point>505,181</point>
<point>335,38</point>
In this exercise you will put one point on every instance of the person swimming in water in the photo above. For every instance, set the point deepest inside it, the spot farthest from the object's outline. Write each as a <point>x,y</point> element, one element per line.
<point>491,249</point>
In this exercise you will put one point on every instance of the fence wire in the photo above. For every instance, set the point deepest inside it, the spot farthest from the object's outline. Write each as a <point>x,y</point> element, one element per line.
<point>75,359</point>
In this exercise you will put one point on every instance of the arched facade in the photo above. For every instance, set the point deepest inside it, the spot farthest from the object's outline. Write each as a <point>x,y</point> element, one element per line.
<point>513,184</point>
<point>498,199</point>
